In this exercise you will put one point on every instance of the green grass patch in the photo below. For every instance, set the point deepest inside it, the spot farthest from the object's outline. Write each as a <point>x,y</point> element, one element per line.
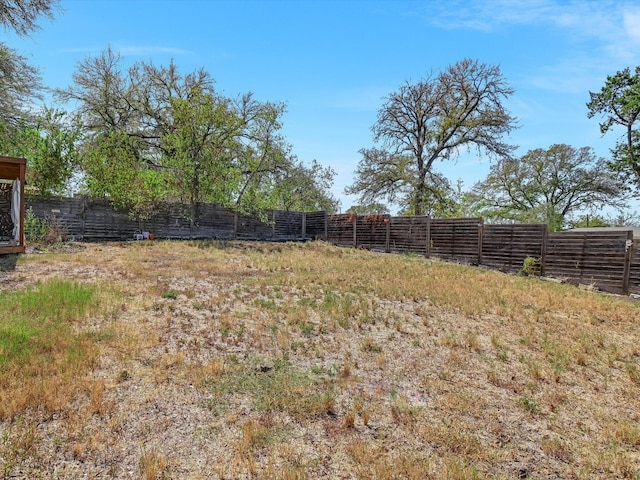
<point>39,346</point>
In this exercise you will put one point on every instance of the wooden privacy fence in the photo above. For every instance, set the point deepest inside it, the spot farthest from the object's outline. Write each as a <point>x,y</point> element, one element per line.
<point>606,260</point>
<point>87,218</point>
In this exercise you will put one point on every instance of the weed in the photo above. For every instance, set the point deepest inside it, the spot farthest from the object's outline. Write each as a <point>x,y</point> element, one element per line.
<point>528,405</point>
<point>530,266</point>
<point>153,465</point>
<point>369,345</point>
<point>170,294</point>
<point>633,372</point>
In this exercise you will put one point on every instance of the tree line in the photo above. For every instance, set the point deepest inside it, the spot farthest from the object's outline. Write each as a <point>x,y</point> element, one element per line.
<point>462,108</point>
<point>143,134</point>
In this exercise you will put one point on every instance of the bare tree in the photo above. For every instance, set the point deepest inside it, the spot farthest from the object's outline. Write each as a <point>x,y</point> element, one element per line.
<point>20,83</point>
<point>22,15</point>
<point>431,120</point>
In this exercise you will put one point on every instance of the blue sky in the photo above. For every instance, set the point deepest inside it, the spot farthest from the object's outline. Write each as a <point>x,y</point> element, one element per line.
<point>331,62</point>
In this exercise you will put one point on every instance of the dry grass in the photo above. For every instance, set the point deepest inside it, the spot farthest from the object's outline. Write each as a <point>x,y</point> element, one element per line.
<point>238,360</point>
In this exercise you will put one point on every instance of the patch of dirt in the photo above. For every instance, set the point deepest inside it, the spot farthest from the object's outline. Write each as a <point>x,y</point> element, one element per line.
<point>416,387</point>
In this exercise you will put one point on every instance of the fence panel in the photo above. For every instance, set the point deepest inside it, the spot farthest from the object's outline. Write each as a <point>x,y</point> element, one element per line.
<point>340,229</point>
<point>504,247</point>
<point>591,258</point>
<point>69,211</point>
<point>371,232</point>
<point>214,221</point>
<point>455,239</point>
<point>316,225</point>
<point>288,225</point>
<point>408,234</point>
<point>101,221</point>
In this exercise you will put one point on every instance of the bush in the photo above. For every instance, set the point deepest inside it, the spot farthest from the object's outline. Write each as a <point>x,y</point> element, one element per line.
<point>35,228</point>
<point>530,266</point>
<point>49,230</point>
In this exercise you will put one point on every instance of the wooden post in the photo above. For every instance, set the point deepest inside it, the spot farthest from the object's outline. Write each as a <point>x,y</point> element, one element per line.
<point>427,251</point>
<point>387,240</point>
<point>23,183</point>
<point>273,223</point>
<point>628,255</point>
<point>480,239</point>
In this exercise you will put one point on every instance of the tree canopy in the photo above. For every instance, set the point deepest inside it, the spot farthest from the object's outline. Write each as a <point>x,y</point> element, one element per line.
<point>22,15</point>
<point>20,83</point>
<point>433,119</point>
<point>547,186</point>
<point>619,103</point>
<point>153,133</point>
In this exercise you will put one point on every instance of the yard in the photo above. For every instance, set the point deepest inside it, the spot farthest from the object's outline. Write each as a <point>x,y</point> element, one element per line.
<point>212,360</point>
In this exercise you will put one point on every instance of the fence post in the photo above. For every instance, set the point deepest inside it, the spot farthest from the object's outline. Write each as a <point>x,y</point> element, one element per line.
<point>480,239</point>
<point>543,249</point>
<point>427,252</point>
<point>387,240</point>
<point>628,253</point>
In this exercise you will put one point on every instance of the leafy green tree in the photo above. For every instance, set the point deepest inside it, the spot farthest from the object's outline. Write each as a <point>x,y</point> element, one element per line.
<point>50,146</point>
<point>547,186</point>
<point>589,220</point>
<point>303,188</point>
<point>433,119</point>
<point>371,209</point>
<point>112,169</point>
<point>198,150</point>
<point>154,134</point>
<point>619,103</point>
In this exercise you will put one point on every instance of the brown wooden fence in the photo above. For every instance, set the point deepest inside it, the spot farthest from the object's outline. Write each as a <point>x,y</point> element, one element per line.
<point>606,260</point>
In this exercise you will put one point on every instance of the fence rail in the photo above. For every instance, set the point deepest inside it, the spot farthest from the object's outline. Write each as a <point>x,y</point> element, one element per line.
<point>606,260</point>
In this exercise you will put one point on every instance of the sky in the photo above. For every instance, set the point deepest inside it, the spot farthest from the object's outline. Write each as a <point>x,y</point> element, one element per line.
<point>333,62</point>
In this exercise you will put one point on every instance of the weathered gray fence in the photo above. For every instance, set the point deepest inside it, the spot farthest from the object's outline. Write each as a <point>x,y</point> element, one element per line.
<point>95,219</point>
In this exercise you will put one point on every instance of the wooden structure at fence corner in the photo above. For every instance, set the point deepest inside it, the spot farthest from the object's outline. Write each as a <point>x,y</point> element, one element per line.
<point>604,259</point>
<point>12,179</point>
